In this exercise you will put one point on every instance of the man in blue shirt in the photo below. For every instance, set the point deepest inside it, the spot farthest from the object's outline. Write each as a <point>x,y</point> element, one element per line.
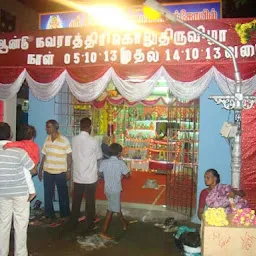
<point>113,170</point>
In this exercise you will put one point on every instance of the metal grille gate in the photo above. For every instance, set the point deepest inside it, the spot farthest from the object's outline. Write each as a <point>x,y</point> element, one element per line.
<point>181,180</point>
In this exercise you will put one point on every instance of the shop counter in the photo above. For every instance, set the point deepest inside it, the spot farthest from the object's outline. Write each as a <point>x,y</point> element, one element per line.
<point>228,241</point>
<point>160,165</point>
<point>137,164</point>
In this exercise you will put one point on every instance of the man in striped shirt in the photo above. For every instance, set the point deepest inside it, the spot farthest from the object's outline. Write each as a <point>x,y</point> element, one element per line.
<point>14,196</point>
<point>56,163</point>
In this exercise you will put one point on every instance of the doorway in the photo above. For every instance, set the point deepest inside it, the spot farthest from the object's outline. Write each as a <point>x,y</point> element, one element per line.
<point>22,106</point>
<point>159,139</point>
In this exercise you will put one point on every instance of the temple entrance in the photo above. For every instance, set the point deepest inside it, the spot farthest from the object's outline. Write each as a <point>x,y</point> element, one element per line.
<point>160,144</point>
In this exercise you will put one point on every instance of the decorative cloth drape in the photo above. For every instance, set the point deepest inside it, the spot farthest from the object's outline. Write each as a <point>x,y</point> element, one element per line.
<point>87,84</point>
<point>248,174</point>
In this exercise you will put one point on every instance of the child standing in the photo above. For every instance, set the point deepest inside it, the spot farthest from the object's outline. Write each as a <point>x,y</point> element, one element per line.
<point>25,140</point>
<point>113,170</point>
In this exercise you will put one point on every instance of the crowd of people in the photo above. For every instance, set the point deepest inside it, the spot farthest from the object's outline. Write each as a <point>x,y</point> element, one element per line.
<point>85,159</point>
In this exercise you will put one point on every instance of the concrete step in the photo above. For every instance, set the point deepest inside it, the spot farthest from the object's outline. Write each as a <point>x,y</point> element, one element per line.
<point>143,212</point>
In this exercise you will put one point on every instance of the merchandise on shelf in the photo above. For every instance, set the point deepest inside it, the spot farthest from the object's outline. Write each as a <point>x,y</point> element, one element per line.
<point>182,144</point>
<point>158,134</point>
<point>137,140</point>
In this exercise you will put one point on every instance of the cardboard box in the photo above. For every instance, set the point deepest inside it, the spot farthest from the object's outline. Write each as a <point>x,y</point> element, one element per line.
<point>228,241</point>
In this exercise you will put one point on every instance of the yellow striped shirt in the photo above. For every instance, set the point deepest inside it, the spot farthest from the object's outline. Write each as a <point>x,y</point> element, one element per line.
<point>56,154</point>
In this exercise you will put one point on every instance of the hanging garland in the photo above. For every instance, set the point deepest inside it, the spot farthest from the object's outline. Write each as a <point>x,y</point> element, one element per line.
<point>244,30</point>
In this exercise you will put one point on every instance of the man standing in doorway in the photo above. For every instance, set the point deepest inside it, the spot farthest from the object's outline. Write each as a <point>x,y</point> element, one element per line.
<point>56,163</point>
<point>14,196</point>
<point>86,153</point>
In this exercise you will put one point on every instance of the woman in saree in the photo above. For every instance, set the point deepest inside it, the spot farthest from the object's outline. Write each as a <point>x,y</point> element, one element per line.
<point>219,195</point>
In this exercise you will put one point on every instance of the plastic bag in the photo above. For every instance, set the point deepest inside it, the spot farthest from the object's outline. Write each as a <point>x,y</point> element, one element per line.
<point>183,229</point>
<point>191,239</point>
<point>179,236</point>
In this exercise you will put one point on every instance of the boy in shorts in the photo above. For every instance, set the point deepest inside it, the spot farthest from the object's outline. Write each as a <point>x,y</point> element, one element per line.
<point>113,170</point>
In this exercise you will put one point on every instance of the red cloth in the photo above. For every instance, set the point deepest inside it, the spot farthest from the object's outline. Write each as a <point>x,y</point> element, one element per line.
<point>248,174</point>
<point>202,199</point>
<point>29,146</point>
<point>187,62</point>
<point>45,75</point>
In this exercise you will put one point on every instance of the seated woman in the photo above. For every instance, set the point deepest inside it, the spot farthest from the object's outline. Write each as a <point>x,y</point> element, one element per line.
<point>218,195</point>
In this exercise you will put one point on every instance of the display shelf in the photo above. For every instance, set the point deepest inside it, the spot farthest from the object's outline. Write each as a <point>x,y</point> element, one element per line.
<point>182,145</point>
<point>137,164</point>
<point>162,142</point>
<point>140,129</point>
<point>145,131</point>
<point>163,150</point>
<point>174,152</point>
<point>160,167</point>
<point>152,121</point>
<point>137,140</point>
<point>160,162</point>
<point>127,148</point>
<point>158,150</point>
<point>135,160</point>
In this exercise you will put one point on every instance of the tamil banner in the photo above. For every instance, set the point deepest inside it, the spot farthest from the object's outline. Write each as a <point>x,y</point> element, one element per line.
<point>167,45</point>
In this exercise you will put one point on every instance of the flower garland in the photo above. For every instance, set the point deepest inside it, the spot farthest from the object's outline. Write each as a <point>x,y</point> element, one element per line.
<point>216,217</point>
<point>244,30</point>
<point>244,217</point>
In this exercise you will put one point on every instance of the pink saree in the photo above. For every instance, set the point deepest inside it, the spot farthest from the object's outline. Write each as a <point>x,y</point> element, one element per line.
<point>218,197</point>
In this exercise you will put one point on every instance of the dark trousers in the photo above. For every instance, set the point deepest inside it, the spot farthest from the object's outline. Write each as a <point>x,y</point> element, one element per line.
<point>79,190</point>
<point>50,180</point>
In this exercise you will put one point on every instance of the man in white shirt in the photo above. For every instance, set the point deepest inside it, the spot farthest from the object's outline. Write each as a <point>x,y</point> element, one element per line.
<point>86,152</point>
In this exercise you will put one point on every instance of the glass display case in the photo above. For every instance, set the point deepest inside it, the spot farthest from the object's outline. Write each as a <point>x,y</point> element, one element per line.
<point>159,135</point>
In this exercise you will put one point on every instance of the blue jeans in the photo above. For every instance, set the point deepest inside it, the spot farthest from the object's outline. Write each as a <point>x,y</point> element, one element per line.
<point>49,184</point>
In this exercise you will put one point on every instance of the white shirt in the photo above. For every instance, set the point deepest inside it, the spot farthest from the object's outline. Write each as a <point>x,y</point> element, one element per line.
<point>86,152</point>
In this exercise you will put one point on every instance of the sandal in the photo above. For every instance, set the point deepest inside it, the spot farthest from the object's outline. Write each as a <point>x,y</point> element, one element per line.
<point>106,237</point>
<point>54,225</point>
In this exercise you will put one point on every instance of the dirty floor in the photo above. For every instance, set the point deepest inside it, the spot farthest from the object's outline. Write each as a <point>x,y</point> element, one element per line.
<point>140,239</point>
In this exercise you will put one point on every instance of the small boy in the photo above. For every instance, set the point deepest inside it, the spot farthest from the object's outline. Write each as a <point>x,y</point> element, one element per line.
<point>25,140</point>
<point>113,170</point>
